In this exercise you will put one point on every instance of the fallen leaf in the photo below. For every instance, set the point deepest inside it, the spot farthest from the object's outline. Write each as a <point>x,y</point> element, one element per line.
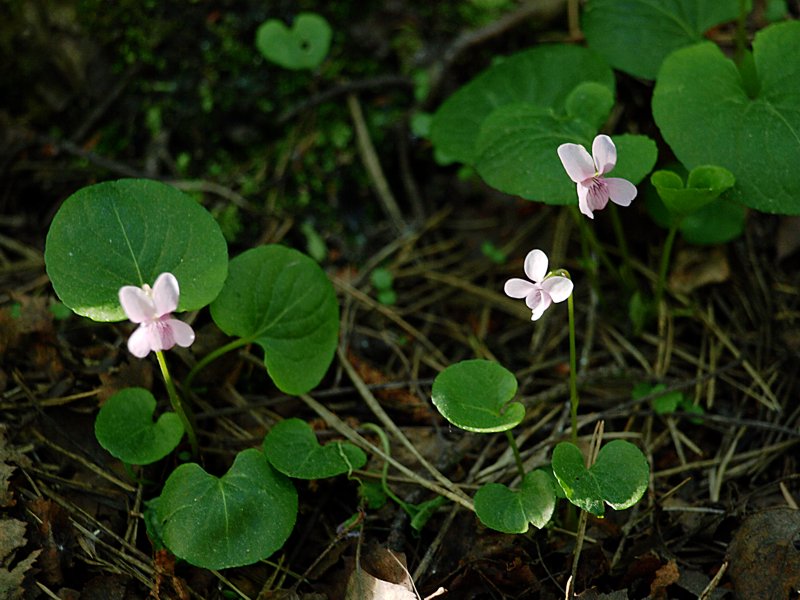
<point>698,266</point>
<point>12,537</point>
<point>665,577</point>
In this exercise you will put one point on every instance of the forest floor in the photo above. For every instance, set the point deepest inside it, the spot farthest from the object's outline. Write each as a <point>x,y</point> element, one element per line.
<point>175,91</point>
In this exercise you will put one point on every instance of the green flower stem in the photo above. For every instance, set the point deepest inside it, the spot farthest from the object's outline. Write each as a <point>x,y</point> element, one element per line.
<point>573,371</point>
<point>661,283</point>
<point>211,357</point>
<point>741,32</point>
<point>515,449</point>
<point>182,412</point>
<point>587,234</point>
<point>625,271</point>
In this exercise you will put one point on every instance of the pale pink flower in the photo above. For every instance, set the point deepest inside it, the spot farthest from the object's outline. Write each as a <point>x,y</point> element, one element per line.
<point>152,309</point>
<point>594,190</point>
<point>542,291</point>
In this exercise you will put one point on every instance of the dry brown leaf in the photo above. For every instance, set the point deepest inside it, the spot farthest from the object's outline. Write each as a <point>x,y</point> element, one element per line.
<point>698,266</point>
<point>665,577</point>
<point>12,536</point>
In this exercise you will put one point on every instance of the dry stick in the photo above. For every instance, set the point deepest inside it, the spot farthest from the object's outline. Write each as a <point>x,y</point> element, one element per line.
<point>384,418</point>
<point>454,494</point>
<point>712,585</point>
<point>370,160</point>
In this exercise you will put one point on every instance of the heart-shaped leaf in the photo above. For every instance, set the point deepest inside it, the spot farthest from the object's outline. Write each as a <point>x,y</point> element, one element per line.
<point>128,232</point>
<point>304,46</point>
<point>234,520</point>
<point>476,395</point>
<point>543,77</point>
<point>510,511</point>
<point>293,449</point>
<point>125,427</point>
<point>518,145</point>
<point>635,36</point>
<point>750,128</point>
<point>618,477</point>
<point>282,300</point>
<point>704,185</point>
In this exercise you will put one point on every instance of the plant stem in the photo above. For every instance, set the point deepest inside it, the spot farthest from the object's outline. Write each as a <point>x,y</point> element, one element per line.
<point>587,234</point>
<point>573,371</point>
<point>664,267</point>
<point>211,357</point>
<point>741,32</point>
<point>517,457</point>
<point>177,405</point>
<point>625,271</point>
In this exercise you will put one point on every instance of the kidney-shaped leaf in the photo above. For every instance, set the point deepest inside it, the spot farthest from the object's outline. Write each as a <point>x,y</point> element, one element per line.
<point>704,184</point>
<point>125,427</point>
<point>636,35</point>
<point>282,300</point>
<point>476,395</point>
<point>510,511</point>
<point>234,520</point>
<point>618,477</point>
<point>750,128</point>
<point>543,77</point>
<point>304,46</point>
<point>128,232</point>
<point>293,449</point>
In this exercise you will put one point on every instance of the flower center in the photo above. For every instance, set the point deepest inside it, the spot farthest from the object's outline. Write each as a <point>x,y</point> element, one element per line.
<point>597,196</point>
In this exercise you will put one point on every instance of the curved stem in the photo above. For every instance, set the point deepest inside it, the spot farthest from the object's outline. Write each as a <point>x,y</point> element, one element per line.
<point>182,412</point>
<point>211,357</point>
<point>517,457</point>
<point>625,271</point>
<point>573,371</point>
<point>664,266</point>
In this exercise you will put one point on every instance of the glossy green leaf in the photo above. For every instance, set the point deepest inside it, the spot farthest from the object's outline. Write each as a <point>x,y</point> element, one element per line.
<point>619,476</point>
<point>125,427</point>
<point>304,46</point>
<point>590,102</point>
<point>282,300</point>
<point>128,232</point>
<point>518,155</point>
<point>293,449</point>
<point>234,520</point>
<point>477,395</point>
<point>509,511</point>
<point>635,36</point>
<point>715,121</point>
<point>543,77</point>
<point>704,184</point>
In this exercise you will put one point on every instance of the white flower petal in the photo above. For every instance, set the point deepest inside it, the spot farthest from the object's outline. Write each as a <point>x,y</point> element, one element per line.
<point>559,288</point>
<point>182,333</point>
<point>577,162</point>
<point>604,153</point>
<point>538,310</point>
<point>165,294</point>
<point>138,306</point>
<point>621,191</point>
<point>139,342</point>
<point>518,288</point>
<point>583,201</point>
<point>536,265</point>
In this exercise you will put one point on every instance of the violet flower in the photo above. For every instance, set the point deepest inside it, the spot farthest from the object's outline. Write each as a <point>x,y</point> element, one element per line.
<point>594,190</point>
<point>543,290</point>
<point>152,309</point>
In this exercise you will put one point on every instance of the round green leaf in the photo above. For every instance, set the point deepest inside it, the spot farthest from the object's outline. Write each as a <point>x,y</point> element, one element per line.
<point>635,36</point>
<point>510,511</point>
<point>518,155</point>
<point>715,121</point>
<point>591,102</point>
<point>128,232</point>
<point>235,520</point>
<point>304,46</point>
<point>618,477</point>
<point>282,300</point>
<point>704,185</point>
<point>125,427</point>
<point>476,395</point>
<point>543,77</point>
<point>292,448</point>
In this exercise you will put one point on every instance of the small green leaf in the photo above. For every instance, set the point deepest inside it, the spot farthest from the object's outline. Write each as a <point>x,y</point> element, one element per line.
<point>282,300</point>
<point>635,36</point>
<point>128,232</point>
<point>715,120</point>
<point>476,395</point>
<point>704,185</point>
<point>382,279</point>
<point>304,46</point>
<point>618,477</point>
<point>510,511</point>
<point>125,427</point>
<point>591,102</point>
<point>234,520</point>
<point>293,449</point>
<point>543,77</point>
